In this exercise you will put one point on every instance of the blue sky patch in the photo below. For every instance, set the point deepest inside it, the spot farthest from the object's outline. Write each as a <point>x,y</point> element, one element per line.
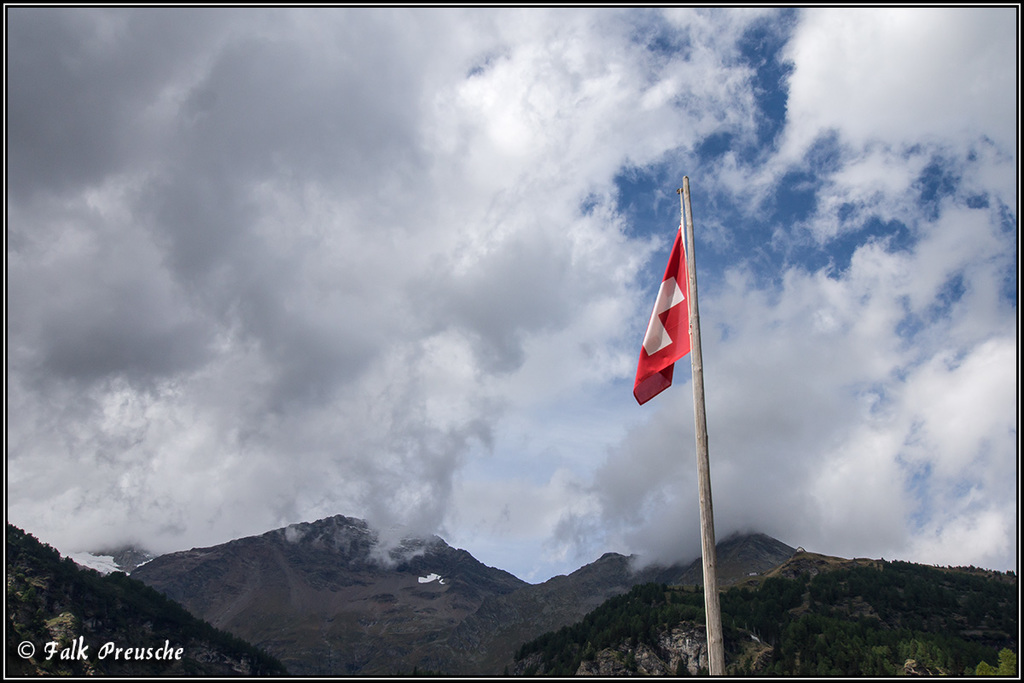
<point>761,48</point>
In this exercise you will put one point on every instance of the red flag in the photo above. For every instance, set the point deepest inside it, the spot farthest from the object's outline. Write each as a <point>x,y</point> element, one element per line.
<point>668,334</point>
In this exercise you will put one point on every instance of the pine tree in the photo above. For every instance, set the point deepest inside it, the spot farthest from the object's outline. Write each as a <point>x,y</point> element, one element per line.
<point>984,669</point>
<point>1007,663</point>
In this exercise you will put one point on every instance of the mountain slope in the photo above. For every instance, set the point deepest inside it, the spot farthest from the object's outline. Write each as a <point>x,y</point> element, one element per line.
<point>52,600</point>
<point>489,637</point>
<point>812,616</point>
<point>738,557</point>
<point>327,599</point>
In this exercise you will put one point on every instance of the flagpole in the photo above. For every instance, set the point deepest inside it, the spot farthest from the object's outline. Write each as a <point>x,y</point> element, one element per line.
<point>716,654</point>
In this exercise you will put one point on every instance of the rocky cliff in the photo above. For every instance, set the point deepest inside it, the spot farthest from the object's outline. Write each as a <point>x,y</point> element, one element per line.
<point>680,651</point>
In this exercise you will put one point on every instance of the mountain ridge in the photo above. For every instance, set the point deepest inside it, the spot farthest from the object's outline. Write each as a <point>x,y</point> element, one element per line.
<point>329,597</point>
<point>324,595</point>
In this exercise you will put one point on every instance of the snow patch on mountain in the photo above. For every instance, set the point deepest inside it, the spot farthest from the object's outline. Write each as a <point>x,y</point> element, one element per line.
<point>126,559</point>
<point>431,577</point>
<point>104,564</point>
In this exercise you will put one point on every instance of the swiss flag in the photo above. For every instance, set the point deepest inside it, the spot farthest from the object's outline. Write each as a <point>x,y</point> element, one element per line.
<point>668,334</point>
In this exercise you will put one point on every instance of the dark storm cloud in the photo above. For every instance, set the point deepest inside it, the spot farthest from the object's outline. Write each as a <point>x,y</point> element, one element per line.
<point>79,82</point>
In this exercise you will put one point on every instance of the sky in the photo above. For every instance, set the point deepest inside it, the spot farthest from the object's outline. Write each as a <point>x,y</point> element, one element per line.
<point>265,266</point>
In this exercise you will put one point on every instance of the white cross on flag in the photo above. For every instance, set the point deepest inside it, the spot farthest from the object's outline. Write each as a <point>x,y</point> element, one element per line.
<point>668,334</point>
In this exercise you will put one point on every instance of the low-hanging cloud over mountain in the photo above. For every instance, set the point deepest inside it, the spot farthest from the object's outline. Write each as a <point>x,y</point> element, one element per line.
<point>270,265</point>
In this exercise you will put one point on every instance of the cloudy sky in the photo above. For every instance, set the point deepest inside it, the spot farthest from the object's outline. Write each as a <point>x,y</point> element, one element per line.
<point>266,266</point>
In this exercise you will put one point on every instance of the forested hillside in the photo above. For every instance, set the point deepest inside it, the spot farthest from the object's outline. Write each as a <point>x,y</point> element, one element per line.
<point>63,619</point>
<point>862,619</point>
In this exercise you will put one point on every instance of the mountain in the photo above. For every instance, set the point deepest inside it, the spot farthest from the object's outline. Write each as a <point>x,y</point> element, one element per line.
<point>491,635</point>
<point>107,625</point>
<point>813,615</point>
<point>739,557</point>
<point>330,597</point>
<point>327,598</point>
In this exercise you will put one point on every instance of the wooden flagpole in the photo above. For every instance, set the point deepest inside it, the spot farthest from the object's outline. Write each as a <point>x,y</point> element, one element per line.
<point>716,653</point>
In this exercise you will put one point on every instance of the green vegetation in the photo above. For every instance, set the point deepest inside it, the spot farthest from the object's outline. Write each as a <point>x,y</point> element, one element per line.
<point>1007,665</point>
<point>868,621</point>
<point>887,619</point>
<point>50,598</point>
<point>634,617</point>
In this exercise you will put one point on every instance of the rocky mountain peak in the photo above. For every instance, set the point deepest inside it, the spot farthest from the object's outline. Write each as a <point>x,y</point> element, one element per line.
<point>356,541</point>
<point>330,596</point>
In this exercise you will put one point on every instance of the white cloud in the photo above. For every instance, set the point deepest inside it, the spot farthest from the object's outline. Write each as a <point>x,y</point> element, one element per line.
<point>985,539</point>
<point>829,428</point>
<point>899,75</point>
<point>268,266</point>
<point>962,413</point>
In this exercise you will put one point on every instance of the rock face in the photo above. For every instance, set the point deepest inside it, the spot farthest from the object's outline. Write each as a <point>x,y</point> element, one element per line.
<point>679,651</point>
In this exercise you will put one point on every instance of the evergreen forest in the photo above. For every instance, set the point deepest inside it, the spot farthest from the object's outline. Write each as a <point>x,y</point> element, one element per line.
<point>52,599</point>
<point>873,619</point>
